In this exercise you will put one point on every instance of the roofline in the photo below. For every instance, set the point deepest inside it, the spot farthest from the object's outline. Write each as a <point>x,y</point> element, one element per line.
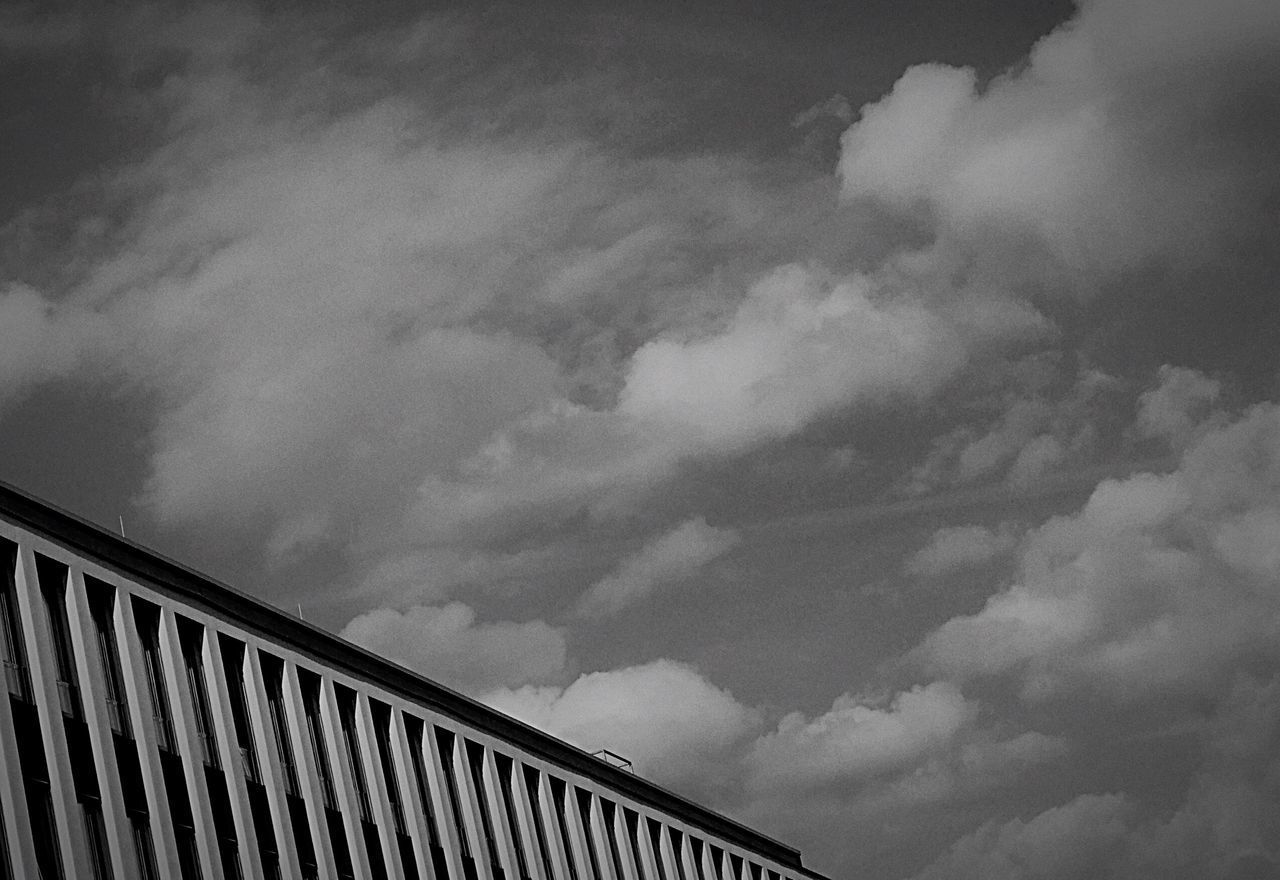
<point>154,569</point>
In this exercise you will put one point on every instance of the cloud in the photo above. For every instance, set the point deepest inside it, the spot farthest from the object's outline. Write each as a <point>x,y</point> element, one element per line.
<point>671,723</point>
<point>1160,584</point>
<point>797,347</point>
<point>955,548</point>
<point>1174,409</point>
<point>446,644</point>
<point>1106,147</point>
<point>1225,827</point>
<point>670,557</point>
<point>1067,842</point>
<point>42,340</point>
<point>1039,423</point>
<point>856,739</point>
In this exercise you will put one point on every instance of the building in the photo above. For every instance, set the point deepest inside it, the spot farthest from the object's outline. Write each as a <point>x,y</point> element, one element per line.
<point>162,725</point>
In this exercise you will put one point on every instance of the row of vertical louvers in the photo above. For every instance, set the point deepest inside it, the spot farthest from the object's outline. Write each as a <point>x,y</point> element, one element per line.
<point>143,737</point>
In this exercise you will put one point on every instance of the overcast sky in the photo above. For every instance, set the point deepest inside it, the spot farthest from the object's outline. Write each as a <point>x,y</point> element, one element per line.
<point>862,416</point>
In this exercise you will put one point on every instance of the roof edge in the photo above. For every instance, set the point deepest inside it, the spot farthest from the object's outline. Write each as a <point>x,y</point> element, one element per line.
<point>154,569</point>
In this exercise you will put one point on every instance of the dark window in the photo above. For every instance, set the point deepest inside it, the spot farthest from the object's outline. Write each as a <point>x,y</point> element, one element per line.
<point>273,680</point>
<point>143,848</point>
<point>584,809</point>
<point>533,784</point>
<point>720,862</point>
<point>756,871</point>
<point>148,621</point>
<point>351,748</point>
<point>475,760</point>
<point>445,743</point>
<point>188,855</point>
<point>233,671</point>
<point>655,840</point>
<point>52,576</point>
<point>382,734</point>
<point>175,784</point>
<point>191,637</point>
<point>95,832</point>
<point>13,651</point>
<point>39,796</point>
<point>562,820</point>
<point>610,811</point>
<point>310,684</point>
<point>632,821</point>
<point>677,850</point>
<point>273,685</point>
<point>506,774</point>
<point>735,865</point>
<point>268,847</point>
<point>414,729</point>
<point>346,699</point>
<point>696,846</point>
<point>102,600</point>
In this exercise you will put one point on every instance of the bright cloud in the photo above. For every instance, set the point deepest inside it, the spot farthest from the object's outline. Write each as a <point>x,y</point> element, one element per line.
<point>1159,583</point>
<point>797,347</point>
<point>1085,149</point>
<point>856,739</point>
<point>669,721</point>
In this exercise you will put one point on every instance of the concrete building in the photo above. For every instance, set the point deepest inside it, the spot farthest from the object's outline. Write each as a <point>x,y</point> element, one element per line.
<point>162,725</point>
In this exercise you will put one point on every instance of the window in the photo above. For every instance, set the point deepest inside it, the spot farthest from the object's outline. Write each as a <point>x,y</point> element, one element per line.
<point>610,816</point>
<point>315,729</point>
<point>696,846</point>
<point>632,821</point>
<point>102,600</point>
<point>562,820</point>
<point>143,848</point>
<point>475,760</point>
<point>506,772</point>
<point>414,729</point>
<point>95,832</point>
<point>233,670</point>
<point>346,700</point>
<point>584,808</point>
<point>382,734</point>
<point>273,684</point>
<point>445,742</point>
<point>677,851</point>
<point>310,685</point>
<point>533,783</point>
<point>52,576</point>
<point>12,648</point>
<point>148,620</point>
<point>191,638</point>
<point>273,679</point>
<point>655,840</point>
<point>351,748</point>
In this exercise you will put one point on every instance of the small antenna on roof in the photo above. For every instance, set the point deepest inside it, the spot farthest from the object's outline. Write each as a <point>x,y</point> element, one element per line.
<point>121,518</point>
<point>300,617</point>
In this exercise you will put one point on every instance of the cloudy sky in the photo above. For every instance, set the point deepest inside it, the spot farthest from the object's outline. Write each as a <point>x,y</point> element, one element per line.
<point>862,416</point>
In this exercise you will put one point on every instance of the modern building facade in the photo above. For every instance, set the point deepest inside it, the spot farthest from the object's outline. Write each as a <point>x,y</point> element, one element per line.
<point>161,725</point>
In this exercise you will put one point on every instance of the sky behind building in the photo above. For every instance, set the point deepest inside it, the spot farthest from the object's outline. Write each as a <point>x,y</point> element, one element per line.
<point>861,416</point>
